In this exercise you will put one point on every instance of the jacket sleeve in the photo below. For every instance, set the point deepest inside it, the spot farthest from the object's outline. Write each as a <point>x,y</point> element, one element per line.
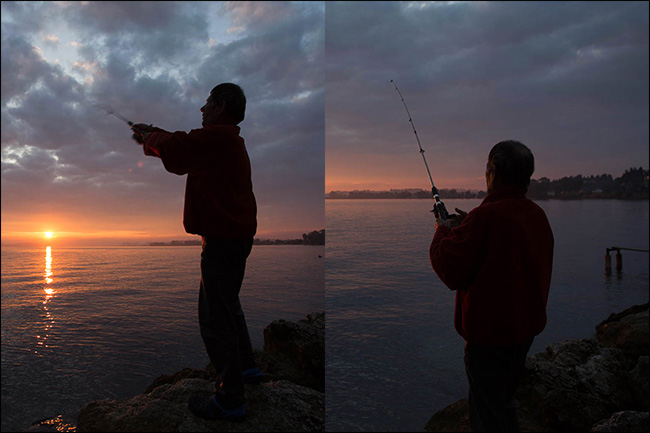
<point>150,147</point>
<point>456,255</point>
<point>181,152</point>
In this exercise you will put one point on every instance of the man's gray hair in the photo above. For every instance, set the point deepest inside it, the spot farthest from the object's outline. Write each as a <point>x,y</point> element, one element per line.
<point>513,161</point>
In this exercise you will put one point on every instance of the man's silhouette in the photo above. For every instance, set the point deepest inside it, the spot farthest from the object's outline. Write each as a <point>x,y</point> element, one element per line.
<point>498,258</point>
<point>220,207</point>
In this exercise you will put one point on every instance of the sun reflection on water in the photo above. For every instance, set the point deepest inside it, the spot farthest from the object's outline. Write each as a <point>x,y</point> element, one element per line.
<point>49,294</point>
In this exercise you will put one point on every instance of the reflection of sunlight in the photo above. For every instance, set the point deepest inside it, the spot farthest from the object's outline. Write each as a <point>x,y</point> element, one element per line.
<point>49,294</point>
<point>48,266</point>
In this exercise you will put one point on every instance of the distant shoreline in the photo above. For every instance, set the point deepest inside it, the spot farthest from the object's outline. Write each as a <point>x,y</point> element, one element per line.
<point>475,198</point>
<point>534,193</point>
<point>199,243</point>
<point>632,185</point>
<point>316,237</point>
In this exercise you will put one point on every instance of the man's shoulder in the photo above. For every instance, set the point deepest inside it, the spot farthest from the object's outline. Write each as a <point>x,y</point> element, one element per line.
<point>511,205</point>
<point>220,129</point>
<point>220,133</point>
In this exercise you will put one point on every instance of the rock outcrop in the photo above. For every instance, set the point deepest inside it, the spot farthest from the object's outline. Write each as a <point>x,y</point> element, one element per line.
<point>300,345</point>
<point>291,398</point>
<point>591,384</point>
<point>271,406</point>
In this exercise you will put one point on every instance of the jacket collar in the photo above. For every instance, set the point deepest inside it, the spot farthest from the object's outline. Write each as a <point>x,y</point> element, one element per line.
<point>505,192</point>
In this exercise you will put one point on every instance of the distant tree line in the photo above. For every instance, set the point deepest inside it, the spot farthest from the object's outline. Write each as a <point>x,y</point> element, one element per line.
<point>404,193</point>
<point>314,238</point>
<point>633,184</point>
<point>311,238</point>
<point>176,243</point>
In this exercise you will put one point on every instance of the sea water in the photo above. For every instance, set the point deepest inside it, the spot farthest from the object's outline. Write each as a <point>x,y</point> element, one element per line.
<point>393,357</point>
<point>82,324</point>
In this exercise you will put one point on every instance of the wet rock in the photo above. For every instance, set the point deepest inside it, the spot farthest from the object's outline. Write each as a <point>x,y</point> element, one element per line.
<point>627,331</point>
<point>290,399</point>
<point>453,418</point>
<point>301,344</point>
<point>272,406</point>
<point>626,421</point>
<point>566,410</point>
<point>185,373</point>
<point>638,383</point>
<point>575,384</point>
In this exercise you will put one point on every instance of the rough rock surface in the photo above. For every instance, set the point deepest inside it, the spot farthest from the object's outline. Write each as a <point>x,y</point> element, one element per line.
<point>290,399</point>
<point>302,344</point>
<point>580,385</point>
<point>271,406</point>
<point>626,421</point>
<point>626,330</point>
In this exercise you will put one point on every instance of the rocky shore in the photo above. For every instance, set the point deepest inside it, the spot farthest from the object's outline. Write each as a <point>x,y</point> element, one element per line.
<point>591,385</point>
<point>290,398</point>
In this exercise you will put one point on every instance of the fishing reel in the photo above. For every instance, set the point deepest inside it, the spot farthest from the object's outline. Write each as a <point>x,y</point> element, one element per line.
<point>439,209</point>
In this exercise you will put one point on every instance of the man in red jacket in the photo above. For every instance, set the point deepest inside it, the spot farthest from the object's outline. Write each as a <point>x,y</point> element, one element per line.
<point>498,258</point>
<point>220,207</point>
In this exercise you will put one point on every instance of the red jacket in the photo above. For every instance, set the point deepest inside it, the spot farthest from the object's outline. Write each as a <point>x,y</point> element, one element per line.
<point>219,199</point>
<point>499,261</point>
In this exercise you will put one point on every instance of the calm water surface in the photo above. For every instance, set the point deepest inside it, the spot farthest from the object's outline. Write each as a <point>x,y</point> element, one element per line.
<point>94,323</point>
<point>393,356</point>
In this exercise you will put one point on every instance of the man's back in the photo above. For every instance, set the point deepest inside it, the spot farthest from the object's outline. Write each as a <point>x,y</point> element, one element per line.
<point>499,260</point>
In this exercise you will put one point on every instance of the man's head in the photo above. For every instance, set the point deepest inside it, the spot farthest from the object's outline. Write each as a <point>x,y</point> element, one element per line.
<point>510,163</point>
<point>225,105</point>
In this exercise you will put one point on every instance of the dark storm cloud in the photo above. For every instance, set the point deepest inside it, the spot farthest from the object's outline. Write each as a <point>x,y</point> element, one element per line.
<point>568,78</point>
<point>155,62</point>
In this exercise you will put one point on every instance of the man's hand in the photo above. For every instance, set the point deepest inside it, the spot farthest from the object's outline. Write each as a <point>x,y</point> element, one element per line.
<point>454,220</point>
<point>443,223</point>
<point>461,216</point>
<point>141,132</point>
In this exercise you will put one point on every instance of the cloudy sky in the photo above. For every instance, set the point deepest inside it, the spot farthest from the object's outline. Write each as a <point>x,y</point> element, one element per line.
<point>69,168</point>
<point>568,79</point>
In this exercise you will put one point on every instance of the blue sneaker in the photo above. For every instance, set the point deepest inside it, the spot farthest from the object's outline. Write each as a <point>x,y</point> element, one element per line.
<point>252,376</point>
<point>211,409</point>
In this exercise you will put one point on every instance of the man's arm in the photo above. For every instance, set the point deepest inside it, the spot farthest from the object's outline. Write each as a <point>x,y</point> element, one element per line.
<point>182,152</point>
<point>457,252</point>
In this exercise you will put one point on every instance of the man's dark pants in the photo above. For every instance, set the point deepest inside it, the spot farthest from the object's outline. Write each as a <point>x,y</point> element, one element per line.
<point>222,321</point>
<point>493,373</point>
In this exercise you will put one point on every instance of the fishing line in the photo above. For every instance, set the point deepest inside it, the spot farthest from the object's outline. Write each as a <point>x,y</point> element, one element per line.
<point>439,209</point>
<point>109,110</point>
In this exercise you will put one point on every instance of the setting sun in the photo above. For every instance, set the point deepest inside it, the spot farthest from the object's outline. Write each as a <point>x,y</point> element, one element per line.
<point>48,235</point>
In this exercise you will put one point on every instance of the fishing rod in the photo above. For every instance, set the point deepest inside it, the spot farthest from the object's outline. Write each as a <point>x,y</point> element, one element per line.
<point>439,209</point>
<point>109,110</point>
